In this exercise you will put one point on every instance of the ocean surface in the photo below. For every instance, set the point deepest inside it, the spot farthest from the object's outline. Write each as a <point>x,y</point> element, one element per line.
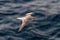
<point>45,27</point>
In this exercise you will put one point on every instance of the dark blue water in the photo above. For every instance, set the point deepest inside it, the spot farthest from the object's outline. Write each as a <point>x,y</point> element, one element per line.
<point>45,27</point>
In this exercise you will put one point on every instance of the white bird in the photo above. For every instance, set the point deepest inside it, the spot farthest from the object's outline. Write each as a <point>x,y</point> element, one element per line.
<point>24,20</point>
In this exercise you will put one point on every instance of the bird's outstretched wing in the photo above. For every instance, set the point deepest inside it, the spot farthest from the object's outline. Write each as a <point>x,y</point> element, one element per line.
<point>22,25</point>
<point>19,18</point>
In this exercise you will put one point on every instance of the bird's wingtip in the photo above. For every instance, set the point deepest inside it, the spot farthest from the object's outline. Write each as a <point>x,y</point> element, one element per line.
<point>30,13</point>
<point>18,18</point>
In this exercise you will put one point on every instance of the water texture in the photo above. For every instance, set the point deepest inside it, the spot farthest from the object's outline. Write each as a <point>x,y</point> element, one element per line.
<point>46,27</point>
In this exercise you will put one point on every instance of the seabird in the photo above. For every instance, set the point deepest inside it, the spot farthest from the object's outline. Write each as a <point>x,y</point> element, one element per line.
<point>25,20</point>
